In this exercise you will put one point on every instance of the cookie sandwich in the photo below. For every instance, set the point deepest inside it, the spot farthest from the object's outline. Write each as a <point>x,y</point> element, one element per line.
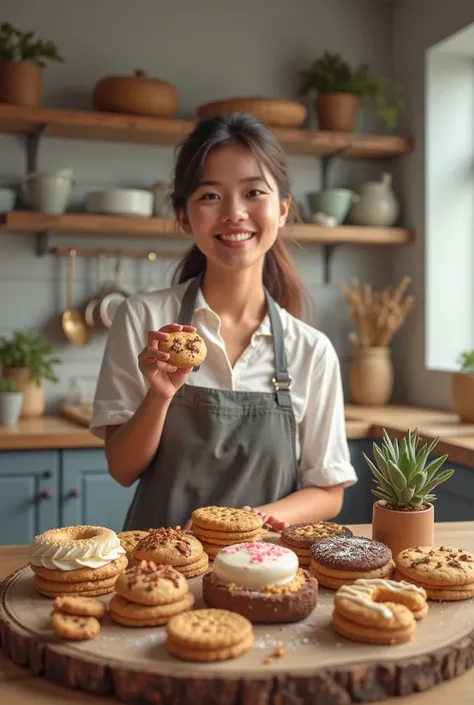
<point>216,527</point>
<point>261,581</point>
<point>175,548</point>
<point>342,560</point>
<point>300,537</point>
<point>209,635</point>
<point>77,561</point>
<point>378,611</point>
<point>148,595</point>
<point>445,573</point>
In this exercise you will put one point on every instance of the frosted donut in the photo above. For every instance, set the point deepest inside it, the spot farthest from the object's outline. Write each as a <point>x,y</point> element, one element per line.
<point>73,547</point>
<point>383,604</point>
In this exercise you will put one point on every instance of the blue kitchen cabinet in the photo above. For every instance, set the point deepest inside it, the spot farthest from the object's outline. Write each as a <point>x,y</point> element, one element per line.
<point>88,494</point>
<point>455,498</point>
<point>29,494</point>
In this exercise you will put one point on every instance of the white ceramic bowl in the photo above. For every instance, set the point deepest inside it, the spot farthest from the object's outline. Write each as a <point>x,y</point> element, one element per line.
<point>120,201</point>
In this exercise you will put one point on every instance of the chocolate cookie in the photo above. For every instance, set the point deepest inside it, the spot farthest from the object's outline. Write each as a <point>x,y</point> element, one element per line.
<point>303,535</point>
<point>185,349</point>
<point>271,605</point>
<point>355,554</point>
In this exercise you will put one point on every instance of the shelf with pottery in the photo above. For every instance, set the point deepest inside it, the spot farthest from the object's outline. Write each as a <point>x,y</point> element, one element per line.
<point>119,127</point>
<point>83,225</point>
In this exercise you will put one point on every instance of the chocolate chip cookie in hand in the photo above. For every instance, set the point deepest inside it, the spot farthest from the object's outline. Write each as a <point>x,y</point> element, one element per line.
<point>185,349</point>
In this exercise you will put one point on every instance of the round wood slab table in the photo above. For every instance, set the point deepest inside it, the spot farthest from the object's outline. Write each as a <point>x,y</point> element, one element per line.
<point>134,666</point>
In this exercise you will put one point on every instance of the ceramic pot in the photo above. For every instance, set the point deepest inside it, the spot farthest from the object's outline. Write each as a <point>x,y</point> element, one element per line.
<point>47,192</point>
<point>21,83</point>
<point>377,205</point>
<point>463,396</point>
<point>332,201</point>
<point>10,408</point>
<point>371,376</point>
<point>337,111</point>
<point>138,94</point>
<point>33,396</point>
<point>7,199</point>
<point>399,530</point>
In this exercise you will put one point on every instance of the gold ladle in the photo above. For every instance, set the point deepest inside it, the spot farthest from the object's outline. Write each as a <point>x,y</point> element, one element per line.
<point>73,322</point>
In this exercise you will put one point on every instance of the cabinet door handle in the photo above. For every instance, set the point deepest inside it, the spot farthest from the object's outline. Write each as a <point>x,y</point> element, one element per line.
<point>46,474</point>
<point>47,494</point>
<point>75,492</point>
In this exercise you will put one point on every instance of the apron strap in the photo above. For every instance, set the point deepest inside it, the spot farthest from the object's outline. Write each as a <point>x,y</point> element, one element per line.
<point>282,379</point>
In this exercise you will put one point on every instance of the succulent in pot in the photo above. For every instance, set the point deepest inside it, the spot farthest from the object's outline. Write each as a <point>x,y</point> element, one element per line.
<point>463,387</point>
<point>403,516</point>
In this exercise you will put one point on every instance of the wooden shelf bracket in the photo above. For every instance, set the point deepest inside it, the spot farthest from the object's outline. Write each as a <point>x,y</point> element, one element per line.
<point>327,161</point>
<point>32,146</point>
<point>43,243</point>
<point>328,254</point>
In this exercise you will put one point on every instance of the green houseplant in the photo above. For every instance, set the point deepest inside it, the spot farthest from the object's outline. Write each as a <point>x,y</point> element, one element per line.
<point>463,387</point>
<point>22,59</point>
<point>405,477</point>
<point>11,401</point>
<point>340,88</point>
<point>28,359</point>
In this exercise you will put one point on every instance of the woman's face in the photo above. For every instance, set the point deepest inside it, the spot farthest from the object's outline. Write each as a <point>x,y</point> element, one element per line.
<point>234,214</point>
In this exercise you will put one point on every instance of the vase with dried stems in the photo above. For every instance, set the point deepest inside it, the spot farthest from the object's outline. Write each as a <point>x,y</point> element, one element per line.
<point>377,315</point>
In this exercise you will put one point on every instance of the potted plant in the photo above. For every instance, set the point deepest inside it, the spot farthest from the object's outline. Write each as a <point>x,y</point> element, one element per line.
<point>463,387</point>
<point>11,401</point>
<point>340,89</point>
<point>403,516</point>
<point>27,359</point>
<point>22,59</point>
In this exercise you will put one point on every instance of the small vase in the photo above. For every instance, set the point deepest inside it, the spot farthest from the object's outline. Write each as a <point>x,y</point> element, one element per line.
<point>377,205</point>
<point>337,111</point>
<point>463,396</point>
<point>399,530</point>
<point>21,83</point>
<point>10,408</point>
<point>33,396</point>
<point>371,376</point>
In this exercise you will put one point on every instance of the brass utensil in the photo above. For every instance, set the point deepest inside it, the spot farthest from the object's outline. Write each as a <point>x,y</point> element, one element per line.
<point>73,322</point>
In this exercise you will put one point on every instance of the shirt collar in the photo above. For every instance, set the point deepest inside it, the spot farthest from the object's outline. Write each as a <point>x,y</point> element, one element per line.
<point>264,328</point>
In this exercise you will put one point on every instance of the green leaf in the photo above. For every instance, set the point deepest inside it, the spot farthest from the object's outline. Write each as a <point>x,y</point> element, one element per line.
<point>418,481</point>
<point>379,457</point>
<point>407,494</point>
<point>396,476</point>
<point>434,466</point>
<point>442,477</point>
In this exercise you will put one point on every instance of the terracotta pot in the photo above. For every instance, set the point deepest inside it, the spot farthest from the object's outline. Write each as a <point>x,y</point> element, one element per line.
<point>463,396</point>
<point>400,530</point>
<point>137,94</point>
<point>371,377</point>
<point>337,111</point>
<point>33,396</point>
<point>21,83</point>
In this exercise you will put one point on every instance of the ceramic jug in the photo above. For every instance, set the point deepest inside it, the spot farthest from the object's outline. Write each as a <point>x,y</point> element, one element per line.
<point>377,205</point>
<point>48,191</point>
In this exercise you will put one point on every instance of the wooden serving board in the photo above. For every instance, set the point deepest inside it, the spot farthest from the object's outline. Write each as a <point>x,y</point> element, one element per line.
<point>80,414</point>
<point>134,665</point>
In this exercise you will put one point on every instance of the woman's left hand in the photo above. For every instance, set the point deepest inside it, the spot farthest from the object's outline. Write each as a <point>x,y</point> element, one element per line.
<point>269,521</point>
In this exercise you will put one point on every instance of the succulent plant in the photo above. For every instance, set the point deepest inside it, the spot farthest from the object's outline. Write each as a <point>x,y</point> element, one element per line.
<point>404,479</point>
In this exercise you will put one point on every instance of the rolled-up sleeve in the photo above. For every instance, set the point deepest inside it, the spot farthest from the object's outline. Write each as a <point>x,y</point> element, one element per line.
<point>121,387</point>
<point>325,458</point>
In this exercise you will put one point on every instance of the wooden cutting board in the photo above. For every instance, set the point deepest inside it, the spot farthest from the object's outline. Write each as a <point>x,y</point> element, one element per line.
<point>319,666</point>
<point>80,414</point>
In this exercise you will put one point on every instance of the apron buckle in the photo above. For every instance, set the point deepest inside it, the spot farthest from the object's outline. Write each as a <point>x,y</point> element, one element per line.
<point>282,383</point>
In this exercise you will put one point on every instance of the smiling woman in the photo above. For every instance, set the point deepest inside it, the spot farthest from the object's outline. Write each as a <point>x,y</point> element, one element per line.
<point>261,421</point>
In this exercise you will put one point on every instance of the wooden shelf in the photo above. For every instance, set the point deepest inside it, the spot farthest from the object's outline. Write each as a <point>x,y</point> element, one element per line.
<point>87,225</point>
<point>90,125</point>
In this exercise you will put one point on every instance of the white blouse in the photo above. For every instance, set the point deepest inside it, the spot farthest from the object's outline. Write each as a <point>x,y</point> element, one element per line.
<point>316,391</point>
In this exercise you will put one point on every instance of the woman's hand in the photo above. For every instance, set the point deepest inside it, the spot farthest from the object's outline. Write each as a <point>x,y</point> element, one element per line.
<point>164,379</point>
<point>269,521</point>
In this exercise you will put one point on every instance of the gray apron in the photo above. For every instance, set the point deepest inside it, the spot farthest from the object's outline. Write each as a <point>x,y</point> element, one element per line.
<point>220,447</point>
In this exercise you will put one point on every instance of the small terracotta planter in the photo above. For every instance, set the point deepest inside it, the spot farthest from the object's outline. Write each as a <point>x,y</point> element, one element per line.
<point>399,530</point>
<point>337,111</point>
<point>21,83</point>
<point>463,396</point>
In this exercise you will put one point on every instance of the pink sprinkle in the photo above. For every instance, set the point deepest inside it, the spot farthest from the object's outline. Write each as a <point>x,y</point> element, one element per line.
<point>259,551</point>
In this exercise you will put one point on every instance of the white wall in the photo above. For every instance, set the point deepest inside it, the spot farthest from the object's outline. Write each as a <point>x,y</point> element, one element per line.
<point>419,25</point>
<point>208,49</point>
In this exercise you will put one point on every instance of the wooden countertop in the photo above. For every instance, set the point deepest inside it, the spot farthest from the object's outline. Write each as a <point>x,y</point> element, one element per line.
<point>19,687</point>
<point>456,439</point>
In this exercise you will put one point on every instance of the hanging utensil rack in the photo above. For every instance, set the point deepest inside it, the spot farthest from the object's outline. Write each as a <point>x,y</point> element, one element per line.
<point>96,252</point>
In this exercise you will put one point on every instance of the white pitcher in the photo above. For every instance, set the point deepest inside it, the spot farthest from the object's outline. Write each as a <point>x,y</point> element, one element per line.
<point>48,191</point>
<point>377,205</point>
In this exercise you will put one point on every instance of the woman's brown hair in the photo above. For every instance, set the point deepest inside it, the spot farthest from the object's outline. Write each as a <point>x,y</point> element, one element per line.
<point>279,273</point>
